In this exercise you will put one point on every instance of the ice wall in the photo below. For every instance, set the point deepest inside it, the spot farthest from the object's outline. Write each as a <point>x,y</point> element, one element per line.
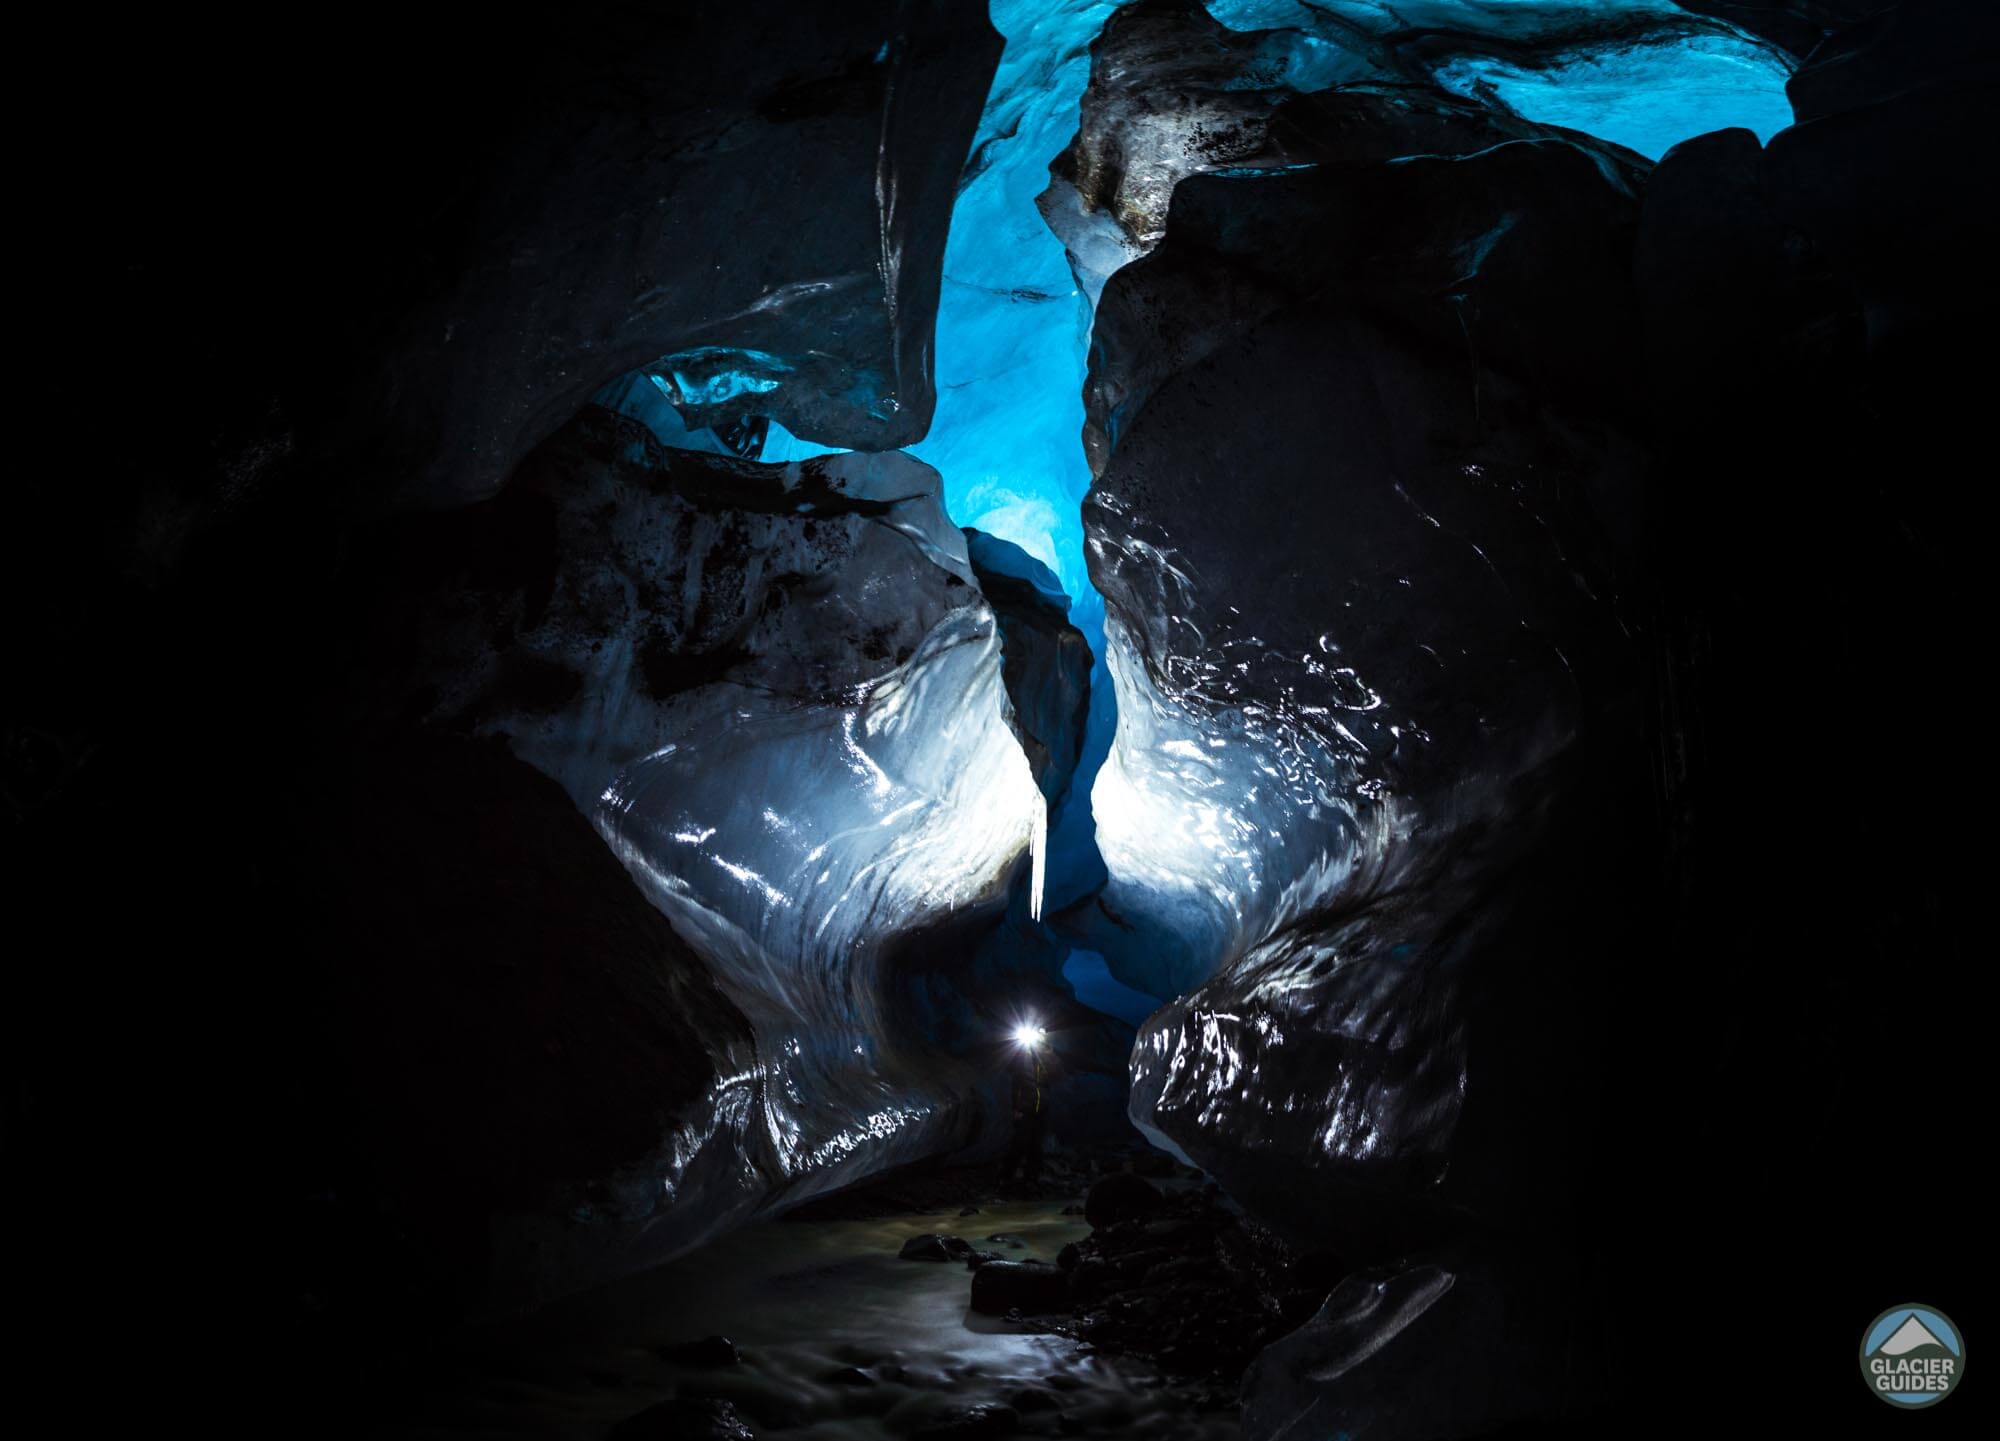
<point>765,232</point>
<point>778,692</point>
<point>1358,522</point>
<point>1647,95</point>
<point>1240,783</point>
<point>792,840</point>
<point>1405,433</point>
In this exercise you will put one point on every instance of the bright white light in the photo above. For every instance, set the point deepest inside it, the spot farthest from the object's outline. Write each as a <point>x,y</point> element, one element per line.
<point>1029,1035</point>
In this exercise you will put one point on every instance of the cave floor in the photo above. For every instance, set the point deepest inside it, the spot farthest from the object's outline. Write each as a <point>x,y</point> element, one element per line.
<point>837,1338</point>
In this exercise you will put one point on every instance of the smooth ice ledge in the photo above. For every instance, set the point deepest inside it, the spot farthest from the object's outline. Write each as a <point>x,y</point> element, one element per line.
<point>791,843</point>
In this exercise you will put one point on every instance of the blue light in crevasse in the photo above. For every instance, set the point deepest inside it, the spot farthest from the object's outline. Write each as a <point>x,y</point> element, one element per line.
<point>1012,327</point>
<point>1090,978</point>
<point>1646,97</point>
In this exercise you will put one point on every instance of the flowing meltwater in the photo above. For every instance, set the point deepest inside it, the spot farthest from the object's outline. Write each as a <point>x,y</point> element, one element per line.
<point>839,1340</point>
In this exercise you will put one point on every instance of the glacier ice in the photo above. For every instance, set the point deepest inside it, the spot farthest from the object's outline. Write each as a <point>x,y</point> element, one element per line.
<point>779,692</point>
<point>1012,326</point>
<point>1323,724</point>
<point>1648,96</point>
<point>1179,88</point>
<point>1325,720</point>
<point>1364,483</point>
<point>768,230</point>
<point>1048,662</point>
<point>790,838</point>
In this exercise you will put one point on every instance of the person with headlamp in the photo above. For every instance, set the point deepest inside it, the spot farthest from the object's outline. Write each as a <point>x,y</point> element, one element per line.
<point>1022,1162</point>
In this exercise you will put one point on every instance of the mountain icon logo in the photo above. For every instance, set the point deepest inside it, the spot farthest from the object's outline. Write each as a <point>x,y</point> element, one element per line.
<point>1912,1356</point>
<point>1908,1337</point>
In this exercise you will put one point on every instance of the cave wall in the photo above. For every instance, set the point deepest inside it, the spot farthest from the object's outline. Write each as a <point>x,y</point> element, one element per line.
<point>778,693</point>
<point>343,282</point>
<point>1377,704</point>
<point>1481,581</point>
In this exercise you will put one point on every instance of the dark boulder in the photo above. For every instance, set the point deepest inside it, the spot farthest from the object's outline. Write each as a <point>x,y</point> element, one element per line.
<point>1173,92</point>
<point>1089,1278</point>
<point>1153,1163</point>
<point>684,1419</point>
<point>709,1351</point>
<point>985,1422</point>
<point>1027,1399</point>
<point>1034,1287</point>
<point>934,1248</point>
<point>1119,1197</point>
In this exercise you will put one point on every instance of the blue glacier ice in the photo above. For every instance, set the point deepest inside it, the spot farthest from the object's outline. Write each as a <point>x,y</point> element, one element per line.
<point>1644,74</point>
<point>1090,977</point>
<point>1012,325</point>
<point>1647,97</point>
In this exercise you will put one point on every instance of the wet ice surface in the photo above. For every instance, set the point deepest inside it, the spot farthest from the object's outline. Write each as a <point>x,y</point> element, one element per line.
<point>804,1301</point>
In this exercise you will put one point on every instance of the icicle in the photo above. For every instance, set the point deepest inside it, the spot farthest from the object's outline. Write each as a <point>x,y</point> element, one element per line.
<point>1038,846</point>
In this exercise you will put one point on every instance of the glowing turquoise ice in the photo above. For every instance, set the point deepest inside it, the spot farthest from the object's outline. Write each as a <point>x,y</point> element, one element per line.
<point>1012,327</point>
<point>1648,98</point>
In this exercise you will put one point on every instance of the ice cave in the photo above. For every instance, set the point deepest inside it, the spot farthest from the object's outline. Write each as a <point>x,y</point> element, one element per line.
<point>954,719</point>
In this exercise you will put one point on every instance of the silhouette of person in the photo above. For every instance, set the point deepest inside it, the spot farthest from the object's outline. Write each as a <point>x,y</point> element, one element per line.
<point>1022,1162</point>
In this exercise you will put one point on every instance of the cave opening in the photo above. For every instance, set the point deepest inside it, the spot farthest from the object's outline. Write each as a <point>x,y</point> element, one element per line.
<point>1240,837</point>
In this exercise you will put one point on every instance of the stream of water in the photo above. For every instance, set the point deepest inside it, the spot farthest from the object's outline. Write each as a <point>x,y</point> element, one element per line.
<point>840,1340</point>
